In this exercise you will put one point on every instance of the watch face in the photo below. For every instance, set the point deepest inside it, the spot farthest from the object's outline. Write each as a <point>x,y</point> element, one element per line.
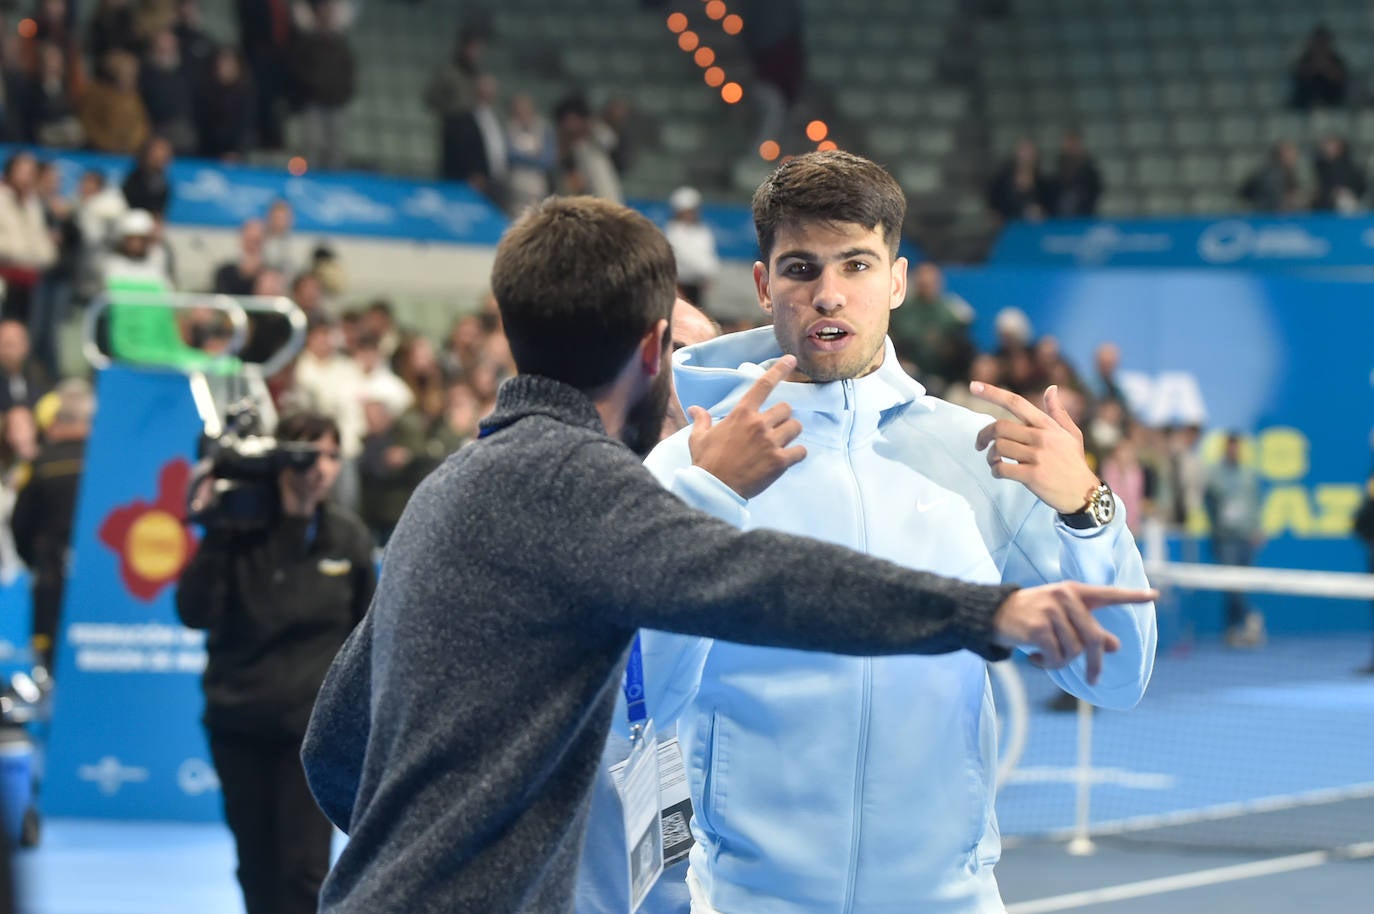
<point>1103,506</point>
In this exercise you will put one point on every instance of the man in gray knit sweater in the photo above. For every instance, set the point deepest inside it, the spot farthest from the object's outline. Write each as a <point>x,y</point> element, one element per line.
<point>457,734</point>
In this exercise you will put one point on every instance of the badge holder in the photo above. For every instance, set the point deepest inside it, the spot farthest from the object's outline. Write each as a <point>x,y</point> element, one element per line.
<point>637,783</point>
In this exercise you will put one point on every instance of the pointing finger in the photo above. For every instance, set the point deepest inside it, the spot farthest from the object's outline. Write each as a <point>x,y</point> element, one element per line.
<point>756,395</point>
<point>1096,597</point>
<point>1014,403</point>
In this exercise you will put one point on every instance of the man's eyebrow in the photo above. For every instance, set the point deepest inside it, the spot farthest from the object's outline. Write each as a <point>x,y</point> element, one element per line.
<point>848,254</point>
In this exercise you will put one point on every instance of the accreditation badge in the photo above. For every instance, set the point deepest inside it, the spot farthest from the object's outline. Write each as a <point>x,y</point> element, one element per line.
<point>636,779</point>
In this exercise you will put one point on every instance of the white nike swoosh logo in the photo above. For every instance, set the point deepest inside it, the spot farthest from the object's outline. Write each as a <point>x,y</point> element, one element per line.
<point>924,506</point>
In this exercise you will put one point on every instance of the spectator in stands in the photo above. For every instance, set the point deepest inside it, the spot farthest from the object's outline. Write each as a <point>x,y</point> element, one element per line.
<point>1020,189</point>
<point>452,91</point>
<point>324,79</point>
<point>585,166</point>
<point>930,331</point>
<point>111,111</point>
<point>54,23</point>
<point>425,429</point>
<point>463,346</point>
<point>236,277</point>
<point>26,246</point>
<point>379,382</point>
<point>224,108</point>
<point>265,33</point>
<point>1106,363</point>
<point>1105,430</point>
<point>329,269</point>
<point>1320,78</point>
<point>330,382</point>
<point>384,473</point>
<point>611,127</point>
<point>99,206</point>
<point>47,104</point>
<point>52,301</point>
<point>111,28</point>
<point>308,294</point>
<point>1132,482</point>
<point>1232,500</point>
<point>694,247</point>
<point>1340,181</point>
<point>164,83</point>
<point>379,320</point>
<point>1184,479</point>
<point>1277,186</point>
<point>23,379</point>
<point>137,253</point>
<point>1076,184</point>
<point>197,48</point>
<point>149,186</point>
<point>278,241</point>
<point>46,507</point>
<point>475,144</point>
<point>533,154</point>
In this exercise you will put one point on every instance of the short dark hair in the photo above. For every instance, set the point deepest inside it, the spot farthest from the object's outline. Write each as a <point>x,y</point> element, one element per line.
<point>579,281</point>
<point>834,187</point>
<point>306,426</point>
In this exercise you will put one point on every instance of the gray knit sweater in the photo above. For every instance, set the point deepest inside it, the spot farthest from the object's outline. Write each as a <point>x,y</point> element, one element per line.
<point>457,734</point>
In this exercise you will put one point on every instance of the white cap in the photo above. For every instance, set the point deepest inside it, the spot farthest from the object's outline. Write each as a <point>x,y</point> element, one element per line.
<point>1013,322</point>
<point>684,198</point>
<point>134,222</point>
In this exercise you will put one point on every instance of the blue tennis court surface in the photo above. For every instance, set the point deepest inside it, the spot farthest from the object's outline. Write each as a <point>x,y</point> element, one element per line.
<point>1233,759</point>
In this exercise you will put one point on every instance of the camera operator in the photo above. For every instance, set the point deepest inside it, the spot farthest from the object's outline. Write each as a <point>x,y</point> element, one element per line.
<point>277,602</point>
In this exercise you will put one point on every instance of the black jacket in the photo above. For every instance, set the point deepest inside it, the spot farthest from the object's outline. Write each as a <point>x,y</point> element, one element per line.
<point>459,730</point>
<point>44,511</point>
<point>277,605</point>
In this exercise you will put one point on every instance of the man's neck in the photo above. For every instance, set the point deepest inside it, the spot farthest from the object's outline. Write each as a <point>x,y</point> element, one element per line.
<point>612,413</point>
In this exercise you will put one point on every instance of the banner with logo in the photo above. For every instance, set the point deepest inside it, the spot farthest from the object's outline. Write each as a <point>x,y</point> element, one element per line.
<point>1244,242</point>
<point>126,738</point>
<point>223,195</point>
<point>1285,360</point>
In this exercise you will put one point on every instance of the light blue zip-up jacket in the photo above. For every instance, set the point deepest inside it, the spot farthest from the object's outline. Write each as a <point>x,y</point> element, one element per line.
<point>826,784</point>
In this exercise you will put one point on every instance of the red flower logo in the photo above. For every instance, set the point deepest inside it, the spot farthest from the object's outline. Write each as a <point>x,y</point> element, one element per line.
<point>152,542</point>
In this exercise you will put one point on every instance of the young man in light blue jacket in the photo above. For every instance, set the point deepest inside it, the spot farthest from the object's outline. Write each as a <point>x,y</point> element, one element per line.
<point>825,784</point>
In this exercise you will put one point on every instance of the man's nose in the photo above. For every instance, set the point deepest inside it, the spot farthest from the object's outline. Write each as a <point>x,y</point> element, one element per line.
<point>829,294</point>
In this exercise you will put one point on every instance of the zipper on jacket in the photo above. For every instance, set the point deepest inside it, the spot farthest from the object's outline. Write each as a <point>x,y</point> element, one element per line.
<point>865,705</point>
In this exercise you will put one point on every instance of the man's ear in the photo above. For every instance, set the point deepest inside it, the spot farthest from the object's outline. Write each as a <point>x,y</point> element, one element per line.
<point>899,275</point>
<point>652,349</point>
<point>761,286</point>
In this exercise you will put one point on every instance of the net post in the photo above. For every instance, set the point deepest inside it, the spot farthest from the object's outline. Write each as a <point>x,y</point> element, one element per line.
<point>1081,845</point>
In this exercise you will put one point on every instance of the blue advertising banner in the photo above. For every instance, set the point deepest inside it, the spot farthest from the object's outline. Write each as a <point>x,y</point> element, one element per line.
<point>1285,360</point>
<point>126,737</point>
<point>337,203</point>
<point>222,195</point>
<point>1250,243</point>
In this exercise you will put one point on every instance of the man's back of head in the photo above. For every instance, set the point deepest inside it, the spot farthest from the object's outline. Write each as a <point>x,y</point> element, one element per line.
<point>579,282</point>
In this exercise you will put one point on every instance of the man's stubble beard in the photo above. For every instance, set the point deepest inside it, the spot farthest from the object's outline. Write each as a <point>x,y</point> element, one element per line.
<point>644,421</point>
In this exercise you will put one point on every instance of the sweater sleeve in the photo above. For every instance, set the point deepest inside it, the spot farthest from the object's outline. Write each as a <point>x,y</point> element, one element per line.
<point>637,554</point>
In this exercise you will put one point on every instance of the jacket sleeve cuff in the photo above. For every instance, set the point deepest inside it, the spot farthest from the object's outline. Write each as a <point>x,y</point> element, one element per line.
<point>1118,521</point>
<point>702,491</point>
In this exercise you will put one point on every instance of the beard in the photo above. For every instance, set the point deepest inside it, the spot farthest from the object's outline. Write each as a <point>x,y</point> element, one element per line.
<point>644,422</point>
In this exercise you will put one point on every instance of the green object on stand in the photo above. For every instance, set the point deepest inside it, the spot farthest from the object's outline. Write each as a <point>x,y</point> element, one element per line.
<point>144,330</point>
